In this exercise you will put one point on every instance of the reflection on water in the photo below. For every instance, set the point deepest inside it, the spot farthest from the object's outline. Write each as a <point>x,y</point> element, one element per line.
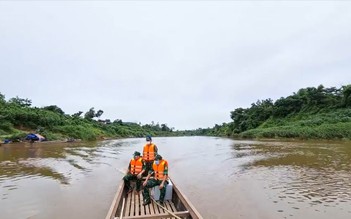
<point>26,169</point>
<point>222,177</point>
<point>299,174</point>
<point>42,178</point>
<point>47,160</point>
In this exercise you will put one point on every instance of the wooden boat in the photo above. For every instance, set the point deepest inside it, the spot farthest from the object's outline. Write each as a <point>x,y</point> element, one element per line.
<point>129,206</point>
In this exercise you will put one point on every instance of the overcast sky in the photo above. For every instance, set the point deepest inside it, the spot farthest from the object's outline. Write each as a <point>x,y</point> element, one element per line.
<point>186,64</point>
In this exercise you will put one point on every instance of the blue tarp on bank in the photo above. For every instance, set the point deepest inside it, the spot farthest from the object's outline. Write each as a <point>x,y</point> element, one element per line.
<point>35,137</point>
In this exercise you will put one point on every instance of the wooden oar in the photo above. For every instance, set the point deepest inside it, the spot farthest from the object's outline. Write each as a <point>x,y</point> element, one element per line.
<point>121,215</point>
<point>169,212</point>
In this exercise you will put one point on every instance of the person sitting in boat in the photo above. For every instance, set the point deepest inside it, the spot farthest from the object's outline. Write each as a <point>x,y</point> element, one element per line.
<point>160,173</point>
<point>149,153</point>
<point>136,169</point>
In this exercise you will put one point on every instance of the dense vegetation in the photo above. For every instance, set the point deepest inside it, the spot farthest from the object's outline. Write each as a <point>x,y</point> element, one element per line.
<point>18,118</point>
<point>320,113</point>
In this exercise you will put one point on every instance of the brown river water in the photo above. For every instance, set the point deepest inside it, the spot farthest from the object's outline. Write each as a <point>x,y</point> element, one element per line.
<point>223,178</point>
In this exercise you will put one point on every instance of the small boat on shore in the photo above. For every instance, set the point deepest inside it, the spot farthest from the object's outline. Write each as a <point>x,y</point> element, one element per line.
<point>130,206</point>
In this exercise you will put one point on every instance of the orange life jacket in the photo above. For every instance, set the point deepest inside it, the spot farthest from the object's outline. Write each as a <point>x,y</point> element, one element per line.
<point>159,169</point>
<point>149,152</point>
<point>136,166</point>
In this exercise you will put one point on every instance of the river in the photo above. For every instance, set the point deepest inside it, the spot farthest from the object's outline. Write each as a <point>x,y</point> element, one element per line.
<point>224,178</point>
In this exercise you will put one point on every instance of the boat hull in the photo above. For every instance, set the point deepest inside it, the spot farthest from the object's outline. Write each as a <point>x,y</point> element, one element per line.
<point>129,206</point>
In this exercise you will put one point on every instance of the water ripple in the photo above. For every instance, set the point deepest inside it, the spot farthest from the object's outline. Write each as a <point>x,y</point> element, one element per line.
<point>318,175</point>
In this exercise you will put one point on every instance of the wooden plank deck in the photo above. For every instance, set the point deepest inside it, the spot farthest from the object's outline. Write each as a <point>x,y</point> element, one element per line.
<point>134,209</point>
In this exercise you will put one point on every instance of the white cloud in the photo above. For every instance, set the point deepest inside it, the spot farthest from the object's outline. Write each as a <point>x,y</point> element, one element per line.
<point>187,64</point>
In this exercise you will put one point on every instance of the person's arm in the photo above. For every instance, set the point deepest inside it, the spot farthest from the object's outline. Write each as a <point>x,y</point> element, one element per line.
<point>147,178</point>
<point>129,166</point>
<point>165,176</point>
<point>156,150</point>
<point>143,170</point>
<point>140,174</point>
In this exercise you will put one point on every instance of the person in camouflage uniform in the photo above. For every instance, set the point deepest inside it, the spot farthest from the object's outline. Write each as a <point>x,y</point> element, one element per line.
<point>149,153</point>
<point>160,173</point>
<point>136,169</point>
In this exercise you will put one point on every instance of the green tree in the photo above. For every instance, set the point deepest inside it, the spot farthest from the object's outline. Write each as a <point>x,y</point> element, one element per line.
<point>99,113</point>
<point>165,128</point>
<point>2,99</point>
<point>346,99</point>
<point>285,106</point>
<point>118,121</point>
<point>78,114</point>
<point>90,114</point>
<point>239,117</point>
<point>55,109</point>
<point>20,101</point>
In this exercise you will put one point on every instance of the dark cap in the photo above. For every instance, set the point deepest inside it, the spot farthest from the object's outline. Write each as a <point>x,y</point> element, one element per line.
<point>148,138</point>
<point>158,157</point>
<point>136,153</point>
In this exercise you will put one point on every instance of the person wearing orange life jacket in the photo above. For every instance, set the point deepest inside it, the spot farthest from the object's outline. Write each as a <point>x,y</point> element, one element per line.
<point>160,173</point>
<point>149,153</point>
<point>136,169</point>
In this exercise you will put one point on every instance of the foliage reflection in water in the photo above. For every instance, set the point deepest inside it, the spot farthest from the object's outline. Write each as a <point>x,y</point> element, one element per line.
<point>314,173</point>
<point>56,161</point>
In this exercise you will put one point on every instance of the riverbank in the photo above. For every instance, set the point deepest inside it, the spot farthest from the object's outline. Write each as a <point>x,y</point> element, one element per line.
<point>334,125</point>
<point>309,113</point>
<point>326,125</point>
<point>18,118</point>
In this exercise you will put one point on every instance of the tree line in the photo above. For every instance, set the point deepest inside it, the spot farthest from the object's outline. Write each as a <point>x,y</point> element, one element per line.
<point>312,112</point>
<point>18,117</point>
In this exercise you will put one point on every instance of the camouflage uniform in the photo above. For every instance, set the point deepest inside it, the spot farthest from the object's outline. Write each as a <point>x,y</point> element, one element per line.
<point>155,182</point>
<point>148,167</point>
<point>130,177</point>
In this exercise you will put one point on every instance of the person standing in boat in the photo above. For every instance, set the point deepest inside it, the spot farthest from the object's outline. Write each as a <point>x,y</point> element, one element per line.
<point>160,173</point>
<point>136,169</point>
<point>149,153</point>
